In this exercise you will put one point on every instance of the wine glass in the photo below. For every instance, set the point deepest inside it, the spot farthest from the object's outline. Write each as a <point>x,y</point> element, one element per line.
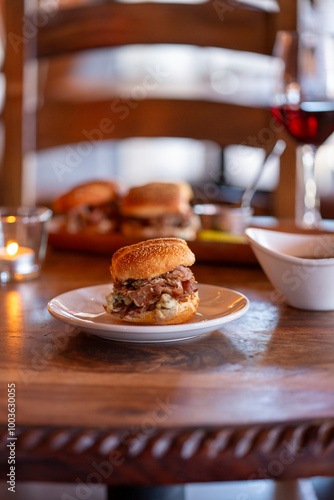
<point>303,102</point>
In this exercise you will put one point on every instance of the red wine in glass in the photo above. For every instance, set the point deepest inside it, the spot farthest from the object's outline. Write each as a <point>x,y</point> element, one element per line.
<point>303,103</point>
<point>309,122</point>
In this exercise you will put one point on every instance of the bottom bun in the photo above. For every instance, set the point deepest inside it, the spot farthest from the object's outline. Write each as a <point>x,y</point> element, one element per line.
<point>180,314</point>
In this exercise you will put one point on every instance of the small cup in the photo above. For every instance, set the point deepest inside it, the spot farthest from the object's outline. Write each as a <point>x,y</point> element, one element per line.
<point>23,240</point>
<point>224,217</point>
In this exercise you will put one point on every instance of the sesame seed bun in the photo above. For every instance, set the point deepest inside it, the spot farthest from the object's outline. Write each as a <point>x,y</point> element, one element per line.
<point>156,198</point>
<point>150,258</point>
<point>90,194</point>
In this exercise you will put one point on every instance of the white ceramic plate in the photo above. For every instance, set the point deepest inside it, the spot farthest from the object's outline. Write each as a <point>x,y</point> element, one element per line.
<point>83,308</point>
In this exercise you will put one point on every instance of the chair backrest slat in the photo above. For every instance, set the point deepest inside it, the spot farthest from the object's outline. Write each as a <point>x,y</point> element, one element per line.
<point>59,119</point>
<point>216,23</point>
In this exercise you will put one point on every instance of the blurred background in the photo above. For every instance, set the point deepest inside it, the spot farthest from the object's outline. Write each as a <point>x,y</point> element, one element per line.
<point>218,171</point>
<point>188,72</point>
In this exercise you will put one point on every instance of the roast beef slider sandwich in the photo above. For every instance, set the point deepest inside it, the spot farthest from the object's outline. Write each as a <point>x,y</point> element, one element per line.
<point>152,283</point>
<point>92,206</point>
<point>159,209</point>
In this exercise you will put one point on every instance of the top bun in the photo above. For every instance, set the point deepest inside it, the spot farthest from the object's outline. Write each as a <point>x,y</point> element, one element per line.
<point>157,198</point>
<point>91,193</point>
<point>150,258</point>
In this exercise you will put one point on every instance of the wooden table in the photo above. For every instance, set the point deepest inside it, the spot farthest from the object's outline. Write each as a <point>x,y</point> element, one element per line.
<point>255,400</point>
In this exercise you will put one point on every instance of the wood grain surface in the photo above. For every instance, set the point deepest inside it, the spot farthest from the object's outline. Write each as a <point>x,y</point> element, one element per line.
<point>225,405</point>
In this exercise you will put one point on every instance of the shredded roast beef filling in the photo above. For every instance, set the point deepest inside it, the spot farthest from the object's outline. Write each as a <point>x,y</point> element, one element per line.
<point>165,220</point>
<point>132,297</point>
<point>102,217</point>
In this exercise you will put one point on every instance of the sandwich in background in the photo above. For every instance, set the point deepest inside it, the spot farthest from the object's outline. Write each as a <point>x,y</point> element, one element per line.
<point>152,283</point>
<point>92,206</point>
<point>159,209</point>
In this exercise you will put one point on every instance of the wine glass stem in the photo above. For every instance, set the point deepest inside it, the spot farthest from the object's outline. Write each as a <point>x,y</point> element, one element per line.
<point>307,196</point>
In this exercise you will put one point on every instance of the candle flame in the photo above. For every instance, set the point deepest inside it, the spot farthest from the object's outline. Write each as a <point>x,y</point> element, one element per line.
<point>12,248</point>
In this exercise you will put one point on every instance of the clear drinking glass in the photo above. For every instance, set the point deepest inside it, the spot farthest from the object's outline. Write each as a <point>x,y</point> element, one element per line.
<point>303,103</point>
<point>23,240</point>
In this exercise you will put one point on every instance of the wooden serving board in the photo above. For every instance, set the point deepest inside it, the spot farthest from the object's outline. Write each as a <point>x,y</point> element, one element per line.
<point>209,251</point>
<point>228,251</point>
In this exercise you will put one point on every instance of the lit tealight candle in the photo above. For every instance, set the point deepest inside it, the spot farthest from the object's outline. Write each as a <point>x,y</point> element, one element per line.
<point>16,259</point>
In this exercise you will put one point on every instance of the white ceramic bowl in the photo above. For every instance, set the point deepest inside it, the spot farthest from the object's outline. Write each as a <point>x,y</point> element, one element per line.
<point>300,266</point>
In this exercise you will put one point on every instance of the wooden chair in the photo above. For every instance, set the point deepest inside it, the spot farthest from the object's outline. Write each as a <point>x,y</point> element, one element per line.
<point>34,122</point>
